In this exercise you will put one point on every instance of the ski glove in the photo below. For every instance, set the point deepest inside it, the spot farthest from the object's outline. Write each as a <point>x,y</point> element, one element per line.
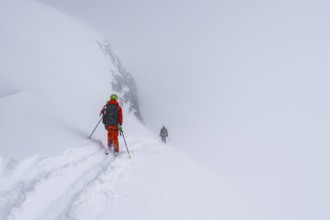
<point>120,128</point>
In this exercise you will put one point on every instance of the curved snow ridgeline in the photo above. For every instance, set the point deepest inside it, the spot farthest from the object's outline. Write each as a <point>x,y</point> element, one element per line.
<point>55,76</point>
<point>157,183</point>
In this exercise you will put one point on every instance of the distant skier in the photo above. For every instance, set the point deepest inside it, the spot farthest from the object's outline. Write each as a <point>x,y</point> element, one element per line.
<point>112,120</point>
<point>163,134</point>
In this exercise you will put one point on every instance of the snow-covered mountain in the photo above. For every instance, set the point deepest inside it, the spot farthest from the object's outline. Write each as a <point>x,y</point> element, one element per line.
<point>56,74</point>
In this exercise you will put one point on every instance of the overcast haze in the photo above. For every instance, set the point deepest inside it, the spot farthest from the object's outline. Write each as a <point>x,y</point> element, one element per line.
<point>243,81</point>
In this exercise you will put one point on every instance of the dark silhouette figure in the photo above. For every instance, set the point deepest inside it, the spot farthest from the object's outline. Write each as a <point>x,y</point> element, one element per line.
<point>163,134</point>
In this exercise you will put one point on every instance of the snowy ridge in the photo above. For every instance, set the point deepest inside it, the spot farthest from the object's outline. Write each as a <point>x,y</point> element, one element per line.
<point>158,183</point>
<point>55,76</point>
<point>122,82</point>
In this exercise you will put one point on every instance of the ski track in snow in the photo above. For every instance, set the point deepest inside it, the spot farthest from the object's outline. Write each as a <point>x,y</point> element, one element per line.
<point>104,190</point>
<point>16,200</point>
<point>59,208</point>
<point>58,186</point>
<point>86,184</point>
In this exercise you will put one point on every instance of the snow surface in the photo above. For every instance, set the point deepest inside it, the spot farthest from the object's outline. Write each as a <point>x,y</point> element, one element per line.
<point>265,82</point>
<point>158,182</point>
<point>54,78</point>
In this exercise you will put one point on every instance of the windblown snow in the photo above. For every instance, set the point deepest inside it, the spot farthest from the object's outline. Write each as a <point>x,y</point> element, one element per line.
<point>55,75</point>
<point>84,183</point>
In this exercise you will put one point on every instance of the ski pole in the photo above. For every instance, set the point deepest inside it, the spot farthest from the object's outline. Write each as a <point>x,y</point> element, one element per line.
<point>122,132</point>
<point>95,127</point>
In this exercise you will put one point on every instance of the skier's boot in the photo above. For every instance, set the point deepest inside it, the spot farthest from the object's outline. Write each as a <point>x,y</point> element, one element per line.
<point>110,145</point>
<point>115,150</point>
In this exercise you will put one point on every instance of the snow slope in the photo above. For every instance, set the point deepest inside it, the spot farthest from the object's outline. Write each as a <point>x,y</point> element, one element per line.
<point>158,183</point>
<point>55,76</point>
<point>269,106</point>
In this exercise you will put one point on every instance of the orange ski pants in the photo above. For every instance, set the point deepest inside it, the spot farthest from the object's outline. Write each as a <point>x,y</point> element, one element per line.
<point>113,137</point>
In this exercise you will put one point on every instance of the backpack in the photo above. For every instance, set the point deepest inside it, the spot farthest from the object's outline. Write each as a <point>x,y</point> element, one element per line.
<point>111,115</point>
<point>163,132</point>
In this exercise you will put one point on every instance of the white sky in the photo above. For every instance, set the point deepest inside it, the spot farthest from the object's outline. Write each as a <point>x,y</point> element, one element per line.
<point>241,85</point>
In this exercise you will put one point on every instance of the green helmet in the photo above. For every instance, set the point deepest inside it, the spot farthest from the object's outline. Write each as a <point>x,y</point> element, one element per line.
<point>114,97</point>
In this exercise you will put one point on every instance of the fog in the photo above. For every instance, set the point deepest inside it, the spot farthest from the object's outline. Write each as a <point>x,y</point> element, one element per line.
<point>242,87</point>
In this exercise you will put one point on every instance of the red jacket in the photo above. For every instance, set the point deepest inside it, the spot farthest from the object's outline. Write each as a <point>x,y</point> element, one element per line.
<point>120,110</point>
